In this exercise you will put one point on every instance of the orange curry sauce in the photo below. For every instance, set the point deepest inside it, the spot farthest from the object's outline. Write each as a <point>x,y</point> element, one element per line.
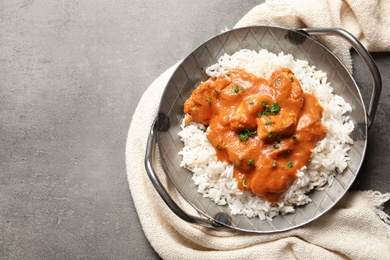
<point>266,128</point>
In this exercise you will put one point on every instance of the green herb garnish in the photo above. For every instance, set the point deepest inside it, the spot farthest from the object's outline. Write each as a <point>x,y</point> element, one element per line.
<point>244,135</point>
<point>290,164</point>
<point>235,88</point>
<point>215,92</point>
<point>267,109</point>
<point>275,108</point>
<point>276,82</point>
<point>294,137</point>
<point>244,183</point>
<point>251,161</point>
<point>209,99</point>
<point>251,102</point>
<point>274,164</point>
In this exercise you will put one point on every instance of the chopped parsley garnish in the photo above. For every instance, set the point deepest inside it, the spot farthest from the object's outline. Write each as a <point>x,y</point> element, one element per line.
<point>235,88</point>
<point>267,109</point>
<point>278,139</point>
<point>244,135</point>
<point>217,146</point>
<point>251,102</point>
<point>209,99</point>
<point>276,146</point>
<point>276,82</point>
<point>275,108</point>
<point>274,164</point>
<point>215,92</point>
<point>294,137</point>
<point>292,79</point>
<point>269,123</point>
<point>310,160</point>
<point>290,164</point>
<point>251,161</point>
<point>270,134</point>
<point>242,89</point>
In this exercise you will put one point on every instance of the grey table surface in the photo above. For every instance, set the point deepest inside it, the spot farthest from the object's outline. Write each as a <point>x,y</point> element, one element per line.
<point>71,74</point>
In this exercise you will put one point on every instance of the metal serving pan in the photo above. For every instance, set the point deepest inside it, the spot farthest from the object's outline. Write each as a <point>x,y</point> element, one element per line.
<point>302,45</point>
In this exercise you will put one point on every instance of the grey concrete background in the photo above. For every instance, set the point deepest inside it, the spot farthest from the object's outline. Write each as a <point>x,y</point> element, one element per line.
<point>71,74</point>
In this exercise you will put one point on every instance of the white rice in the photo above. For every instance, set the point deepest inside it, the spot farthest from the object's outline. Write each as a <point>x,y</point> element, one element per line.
<point>215,179</point>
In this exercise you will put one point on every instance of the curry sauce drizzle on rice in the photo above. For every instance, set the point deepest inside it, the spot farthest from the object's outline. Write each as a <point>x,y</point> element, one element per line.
<point>258,141</point>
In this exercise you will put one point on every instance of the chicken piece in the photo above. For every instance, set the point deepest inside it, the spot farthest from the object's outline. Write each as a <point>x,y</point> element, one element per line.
<point>289,88</point>
<point>198,106</point>
<point>201,104</point>
<point>281,117</point>
<point>271,127</point>
<point>246,114</point>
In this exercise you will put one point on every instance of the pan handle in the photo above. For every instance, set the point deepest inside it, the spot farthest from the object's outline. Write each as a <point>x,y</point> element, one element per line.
<point>368,60</point>
<point>149,159</point>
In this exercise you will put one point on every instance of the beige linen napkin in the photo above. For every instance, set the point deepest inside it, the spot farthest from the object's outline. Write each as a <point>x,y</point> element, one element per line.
<point>367,20</point>
<point>355,228</point>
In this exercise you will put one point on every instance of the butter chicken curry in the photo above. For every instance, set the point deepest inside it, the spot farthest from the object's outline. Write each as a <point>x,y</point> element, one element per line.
<point>266,128</point>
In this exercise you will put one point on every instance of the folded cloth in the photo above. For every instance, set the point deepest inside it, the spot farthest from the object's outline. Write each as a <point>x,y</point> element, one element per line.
<point>355,228</point>
<point>367,20</point>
